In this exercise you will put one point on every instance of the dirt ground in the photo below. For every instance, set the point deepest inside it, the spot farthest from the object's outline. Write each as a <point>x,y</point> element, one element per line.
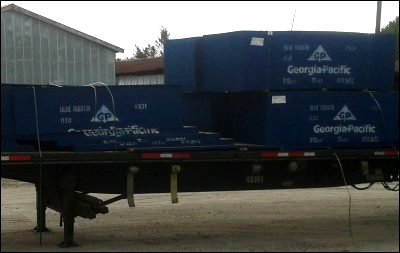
<point>270,220</point>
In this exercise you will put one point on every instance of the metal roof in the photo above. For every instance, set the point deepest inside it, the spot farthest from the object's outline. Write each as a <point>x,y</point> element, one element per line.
<point>140,66</point>
<point>13,7</point>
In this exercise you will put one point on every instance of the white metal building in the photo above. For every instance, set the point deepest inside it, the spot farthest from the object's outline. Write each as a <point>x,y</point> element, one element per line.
<point>38,50</point>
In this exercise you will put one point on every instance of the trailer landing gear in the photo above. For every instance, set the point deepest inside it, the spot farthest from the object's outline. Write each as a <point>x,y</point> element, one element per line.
<point>67,185</point>
<point>40,212</point>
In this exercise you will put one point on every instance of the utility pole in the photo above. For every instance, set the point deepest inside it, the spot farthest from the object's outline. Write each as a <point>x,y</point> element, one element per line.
<point>378,16</point>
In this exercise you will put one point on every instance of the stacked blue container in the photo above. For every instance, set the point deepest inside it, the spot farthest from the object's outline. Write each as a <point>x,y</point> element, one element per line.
<point>269,87</point>
<point>180,63</point>
<point>97,118</point>
<point>254,61</point>
<point>234,61</point>
<point>314,119</point>
<point>331,60</point>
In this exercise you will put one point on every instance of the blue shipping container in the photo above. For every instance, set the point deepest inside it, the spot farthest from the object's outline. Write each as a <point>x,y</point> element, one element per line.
<point>299,60</point>
<point>161,142</point>
<point>394,127</point>
<point>235,61</point>
<point>314,119</point>
<point>66,109</point>
<point>204,110</point>
<point>180,63</point>
<point>332,60</point>
<point>98,119</point>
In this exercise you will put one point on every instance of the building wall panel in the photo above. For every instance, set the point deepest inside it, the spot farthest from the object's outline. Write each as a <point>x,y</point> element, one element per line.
<point>140,80</point>
<point>36,52</point>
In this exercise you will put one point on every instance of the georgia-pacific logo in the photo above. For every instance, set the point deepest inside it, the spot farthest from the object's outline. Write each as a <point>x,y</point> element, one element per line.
<point>344,114</point>
<point>319,55</point>
<point>104,115</point>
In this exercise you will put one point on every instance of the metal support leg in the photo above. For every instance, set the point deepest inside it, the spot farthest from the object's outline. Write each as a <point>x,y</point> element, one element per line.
<point>174,183</point>
<point>68,182</point>
<point>130,185</point>
<point>40,212</point>
<point>68,233</point>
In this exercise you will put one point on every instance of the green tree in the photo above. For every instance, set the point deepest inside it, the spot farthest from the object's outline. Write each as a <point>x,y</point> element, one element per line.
<point>151,51</point>
<point>160,42</point>
<point>148,52</point>
<point>393,28</point>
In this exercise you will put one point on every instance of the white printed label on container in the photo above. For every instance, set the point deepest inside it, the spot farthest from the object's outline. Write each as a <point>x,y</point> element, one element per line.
<point>279,99</point>
<point>257,42</point>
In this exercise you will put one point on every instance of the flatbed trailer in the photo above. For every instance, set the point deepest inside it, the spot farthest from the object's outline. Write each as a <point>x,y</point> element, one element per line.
<point>64,180</point>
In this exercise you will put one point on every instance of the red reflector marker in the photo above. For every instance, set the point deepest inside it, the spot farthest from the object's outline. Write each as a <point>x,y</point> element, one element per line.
<point>16,158</point>
<point>150,156</point>
<point>269,154</point>
<point>386,153</point>
<point>296,154</point>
